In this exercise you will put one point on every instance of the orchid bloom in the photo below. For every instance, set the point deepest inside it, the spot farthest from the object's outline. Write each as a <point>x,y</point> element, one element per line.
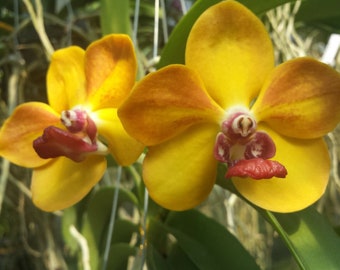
<point>66,141</point>
<point>229,104</point>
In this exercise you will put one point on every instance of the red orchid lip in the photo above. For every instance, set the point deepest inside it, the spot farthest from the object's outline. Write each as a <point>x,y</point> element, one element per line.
<point>257,168</point>
<point>56,142</point>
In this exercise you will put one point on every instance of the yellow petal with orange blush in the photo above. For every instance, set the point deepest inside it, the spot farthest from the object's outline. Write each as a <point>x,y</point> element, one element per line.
<point>232,52</point>
<point>66,79</point>
<point>180,173</point>
<point>110,68</point>
<point>308,165</point>
<point>165,103</point>
<point>18,132</point>
<point>300,99</point>
<point>123,147</point>
<point>62,182</point>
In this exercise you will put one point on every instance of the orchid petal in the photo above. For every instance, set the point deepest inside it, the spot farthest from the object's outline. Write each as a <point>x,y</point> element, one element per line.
<point>180,173</point>
<point>123,147</point>
<point>66,79</point>
<point>231,50</point>
<point>110,70</point>
<point>20,130</point>
<point>307,163</point>
<point>165,103</point>
<point>300,99</point>
<point>63,182</point>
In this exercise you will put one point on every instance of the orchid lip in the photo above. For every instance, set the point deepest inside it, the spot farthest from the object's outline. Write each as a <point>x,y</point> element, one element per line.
<point>76,142</point>
<point>244,149</point>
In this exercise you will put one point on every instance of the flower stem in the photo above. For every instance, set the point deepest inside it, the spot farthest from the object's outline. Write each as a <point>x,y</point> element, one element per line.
<point>38,23</point>
<point>112,218</point>
<point>144,226</point>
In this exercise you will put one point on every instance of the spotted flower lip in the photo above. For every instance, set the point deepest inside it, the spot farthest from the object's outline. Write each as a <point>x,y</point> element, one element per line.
<point>179,110</point>
<point>65,141</point>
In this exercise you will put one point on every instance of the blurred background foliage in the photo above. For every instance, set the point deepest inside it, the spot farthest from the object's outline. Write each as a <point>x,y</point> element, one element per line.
<point>76,238</point>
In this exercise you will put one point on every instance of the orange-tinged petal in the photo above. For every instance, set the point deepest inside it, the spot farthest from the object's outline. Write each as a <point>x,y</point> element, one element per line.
<point>165,103</point>
<point>110,71</point>
<point>180,173</point>
<point>123,147</point>
<point>66,79</point>
<point>230,49</point>
<point>300,99</point>
<point>62,182</point>
<point>18,132</point>
<point>308,165</point>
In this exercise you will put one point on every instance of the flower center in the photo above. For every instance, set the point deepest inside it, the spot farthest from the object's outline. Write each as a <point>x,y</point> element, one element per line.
<point>76,142</point>
<point>245,150</point>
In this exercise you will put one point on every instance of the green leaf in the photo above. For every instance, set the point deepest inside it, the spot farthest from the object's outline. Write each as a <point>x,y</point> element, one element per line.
<point>119,256</point>
<point>123,231</point>
<point>311,240</point>
<point>69,218</point>
<point>99,210</point>
<point>179,259</point>
<point>328,13</point>
<point>203,241</point>
<point>96,220</point>
<point>155,260</point>
<point>115,17</point>
<point>259,7</point>
<point>92,242</point>
<point>174,50</point>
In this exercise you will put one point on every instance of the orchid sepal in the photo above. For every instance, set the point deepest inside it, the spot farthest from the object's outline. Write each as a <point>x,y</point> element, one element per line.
<point>232,54</point>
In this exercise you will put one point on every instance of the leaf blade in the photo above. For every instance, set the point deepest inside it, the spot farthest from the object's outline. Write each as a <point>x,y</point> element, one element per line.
<point>311,240</point>
<point>206,243</point>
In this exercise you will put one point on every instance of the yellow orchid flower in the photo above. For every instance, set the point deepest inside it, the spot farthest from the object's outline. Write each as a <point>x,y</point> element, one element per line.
<point>229,104</point>
<point>72,135</point>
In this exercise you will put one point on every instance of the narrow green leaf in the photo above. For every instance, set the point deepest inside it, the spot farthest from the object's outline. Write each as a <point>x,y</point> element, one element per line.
<point>115,17</point>
<point>311,240</point>
<point>174,50</point>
